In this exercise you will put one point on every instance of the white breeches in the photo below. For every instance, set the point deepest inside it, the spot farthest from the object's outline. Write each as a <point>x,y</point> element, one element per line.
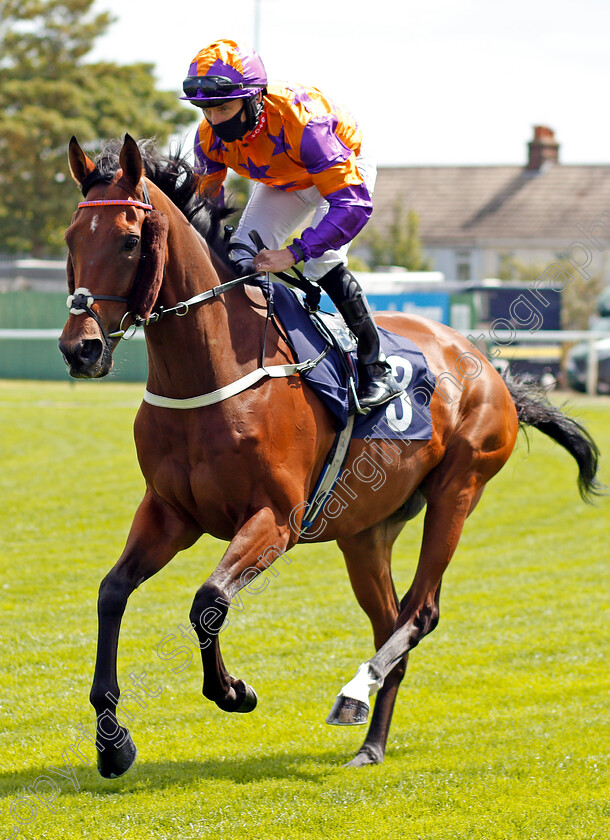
<point>278,216</point>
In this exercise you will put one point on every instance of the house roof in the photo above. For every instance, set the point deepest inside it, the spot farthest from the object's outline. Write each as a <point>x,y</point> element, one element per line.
<point>476,204</point>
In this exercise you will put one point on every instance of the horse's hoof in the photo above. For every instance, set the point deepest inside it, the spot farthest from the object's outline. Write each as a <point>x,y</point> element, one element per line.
<point>250,699</point>
<point>113,762</point>
<point>364,758</point>
<point>347,711</point>
<point>241,697</point>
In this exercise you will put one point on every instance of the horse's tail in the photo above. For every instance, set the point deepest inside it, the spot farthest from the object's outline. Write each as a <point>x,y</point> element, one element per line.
<point>534,409</point>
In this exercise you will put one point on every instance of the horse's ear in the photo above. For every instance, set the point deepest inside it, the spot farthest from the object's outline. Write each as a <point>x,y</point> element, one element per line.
<point>154,245</point>
<point>130,161</point>
<point>80,164</point>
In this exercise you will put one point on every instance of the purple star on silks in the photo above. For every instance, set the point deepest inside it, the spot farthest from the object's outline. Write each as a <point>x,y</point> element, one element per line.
<point>218,145</point>
<point>286,186</point>
<point>279,142</point>
<point>301,97</point>
<point>256,172</point>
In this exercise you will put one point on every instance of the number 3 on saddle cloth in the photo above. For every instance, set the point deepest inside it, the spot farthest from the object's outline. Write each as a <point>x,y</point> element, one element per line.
<point>405,418</point>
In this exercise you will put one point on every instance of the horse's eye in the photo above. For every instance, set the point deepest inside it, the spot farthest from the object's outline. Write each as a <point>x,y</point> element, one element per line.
<point>131,242</point>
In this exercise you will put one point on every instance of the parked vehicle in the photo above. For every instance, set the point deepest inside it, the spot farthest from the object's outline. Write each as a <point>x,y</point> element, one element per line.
<point>577,362</point>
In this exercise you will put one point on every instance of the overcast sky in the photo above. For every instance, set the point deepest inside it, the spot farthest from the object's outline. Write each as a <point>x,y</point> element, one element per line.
<point>431,82</point>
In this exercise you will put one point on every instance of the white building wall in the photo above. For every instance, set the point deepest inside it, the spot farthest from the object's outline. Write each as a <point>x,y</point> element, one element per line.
<point>485,257</point>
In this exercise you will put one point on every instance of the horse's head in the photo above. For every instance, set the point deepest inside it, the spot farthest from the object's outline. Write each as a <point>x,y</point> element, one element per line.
<point>117,253</point>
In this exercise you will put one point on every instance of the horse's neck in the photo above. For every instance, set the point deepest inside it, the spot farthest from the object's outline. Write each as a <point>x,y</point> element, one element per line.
<point>212,345</point>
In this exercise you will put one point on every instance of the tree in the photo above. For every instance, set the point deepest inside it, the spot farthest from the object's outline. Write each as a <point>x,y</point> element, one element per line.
<point>47,93</point>
<point>512,270</point>
<point>400,245</point>
<point>579,301</point>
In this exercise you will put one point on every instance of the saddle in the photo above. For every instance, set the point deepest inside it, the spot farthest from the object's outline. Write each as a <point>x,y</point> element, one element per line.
<point>340,339</point>
<point>332,328</point>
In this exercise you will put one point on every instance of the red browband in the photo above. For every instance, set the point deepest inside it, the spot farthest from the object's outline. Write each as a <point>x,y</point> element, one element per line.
<point>108,201</point>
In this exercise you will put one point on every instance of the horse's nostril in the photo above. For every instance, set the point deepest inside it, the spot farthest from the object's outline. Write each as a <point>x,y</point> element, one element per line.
<point>90,351</point>
<point>81,356</point>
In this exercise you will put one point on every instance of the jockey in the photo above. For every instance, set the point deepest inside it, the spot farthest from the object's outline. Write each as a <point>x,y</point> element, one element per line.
<point>304,154</point>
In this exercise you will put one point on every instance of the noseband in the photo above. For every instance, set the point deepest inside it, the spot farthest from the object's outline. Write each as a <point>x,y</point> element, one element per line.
<point>82,301</point>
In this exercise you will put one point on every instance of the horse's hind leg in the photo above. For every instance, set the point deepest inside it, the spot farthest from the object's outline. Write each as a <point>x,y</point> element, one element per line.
<point>156,535</point>
<point>368,560</point>
<point>452,495</point>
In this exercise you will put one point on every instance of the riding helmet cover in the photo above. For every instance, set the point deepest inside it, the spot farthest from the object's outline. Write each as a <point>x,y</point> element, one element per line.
<point>223,71</point>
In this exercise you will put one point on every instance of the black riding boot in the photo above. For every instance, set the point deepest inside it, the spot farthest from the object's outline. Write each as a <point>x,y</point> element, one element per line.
<point>377,384</point>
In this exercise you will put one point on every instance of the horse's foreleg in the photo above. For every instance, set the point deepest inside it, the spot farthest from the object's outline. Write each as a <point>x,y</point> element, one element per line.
<point>419,609</point>
<point>256,545</point>
<point>156,535</point>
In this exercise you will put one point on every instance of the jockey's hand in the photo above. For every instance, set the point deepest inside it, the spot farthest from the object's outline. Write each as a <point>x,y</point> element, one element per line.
<point>274,260</point>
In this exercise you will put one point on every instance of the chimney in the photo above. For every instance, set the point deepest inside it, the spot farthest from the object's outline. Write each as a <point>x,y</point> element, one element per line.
<point>542,149</point>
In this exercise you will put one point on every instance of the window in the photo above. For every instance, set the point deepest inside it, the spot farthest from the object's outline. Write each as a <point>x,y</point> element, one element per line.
<point>463,265</point>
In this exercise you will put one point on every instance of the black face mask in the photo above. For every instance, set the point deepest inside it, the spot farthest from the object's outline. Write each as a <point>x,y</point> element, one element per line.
<point>231,129</point>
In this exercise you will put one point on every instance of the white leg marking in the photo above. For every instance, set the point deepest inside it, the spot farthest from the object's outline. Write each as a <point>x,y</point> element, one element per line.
<point>362,686</point>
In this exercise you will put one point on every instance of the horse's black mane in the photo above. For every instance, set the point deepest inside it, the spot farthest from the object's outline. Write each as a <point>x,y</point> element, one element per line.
<point>176,177</point>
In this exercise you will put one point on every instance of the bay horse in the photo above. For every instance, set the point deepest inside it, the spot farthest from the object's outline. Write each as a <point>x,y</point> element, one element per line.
<point>142,245</point>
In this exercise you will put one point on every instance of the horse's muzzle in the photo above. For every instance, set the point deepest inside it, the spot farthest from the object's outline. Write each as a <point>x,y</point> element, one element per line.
<point>87,358</point>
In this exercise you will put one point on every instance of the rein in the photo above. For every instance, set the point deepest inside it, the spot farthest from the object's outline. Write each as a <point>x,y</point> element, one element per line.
<point>182,308</point>
<point>82,300</point>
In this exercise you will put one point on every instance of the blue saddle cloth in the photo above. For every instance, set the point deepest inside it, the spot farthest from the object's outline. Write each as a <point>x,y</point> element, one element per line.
<point>405,418</point>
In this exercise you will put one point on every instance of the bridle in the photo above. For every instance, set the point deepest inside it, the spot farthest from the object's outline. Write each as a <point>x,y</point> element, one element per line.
<point>82,300</point>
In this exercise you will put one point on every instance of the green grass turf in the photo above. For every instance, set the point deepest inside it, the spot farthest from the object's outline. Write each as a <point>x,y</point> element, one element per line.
<point>502,725</point>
